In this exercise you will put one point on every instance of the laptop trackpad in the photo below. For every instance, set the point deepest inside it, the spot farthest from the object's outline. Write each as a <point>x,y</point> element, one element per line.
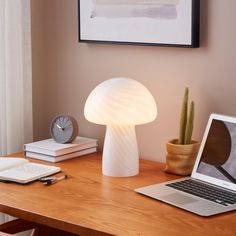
<point>178,199</point>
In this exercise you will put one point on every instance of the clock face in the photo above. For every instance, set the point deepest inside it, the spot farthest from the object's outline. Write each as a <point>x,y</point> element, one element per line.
<point>64,129</point>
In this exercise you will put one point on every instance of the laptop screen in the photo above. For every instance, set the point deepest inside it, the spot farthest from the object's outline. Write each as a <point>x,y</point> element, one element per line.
<point>218,157</point>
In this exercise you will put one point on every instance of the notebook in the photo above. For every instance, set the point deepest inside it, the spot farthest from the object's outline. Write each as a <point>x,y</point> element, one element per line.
<point>22,171</point>
<point>211,189</point>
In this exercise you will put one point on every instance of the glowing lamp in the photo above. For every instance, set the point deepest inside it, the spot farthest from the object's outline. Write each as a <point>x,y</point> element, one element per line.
<point>120,104</point>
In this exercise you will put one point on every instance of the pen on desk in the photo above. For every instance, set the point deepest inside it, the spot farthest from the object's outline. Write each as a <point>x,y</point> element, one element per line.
<point>54,180</point>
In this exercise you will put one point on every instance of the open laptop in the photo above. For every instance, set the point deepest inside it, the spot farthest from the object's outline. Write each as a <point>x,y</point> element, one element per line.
<point>211,189</point>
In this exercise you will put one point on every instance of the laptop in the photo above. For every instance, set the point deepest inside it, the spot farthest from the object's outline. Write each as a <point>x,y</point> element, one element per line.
<point>211,189</point>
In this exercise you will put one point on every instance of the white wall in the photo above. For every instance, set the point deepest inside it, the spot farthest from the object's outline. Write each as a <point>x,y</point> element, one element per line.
<point>65,71</point>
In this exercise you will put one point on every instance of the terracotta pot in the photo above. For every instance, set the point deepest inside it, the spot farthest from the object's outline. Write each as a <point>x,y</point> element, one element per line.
<point>180,159</point>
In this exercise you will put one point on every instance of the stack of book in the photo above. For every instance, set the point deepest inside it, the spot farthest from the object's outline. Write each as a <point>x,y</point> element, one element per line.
<point>49,150</point>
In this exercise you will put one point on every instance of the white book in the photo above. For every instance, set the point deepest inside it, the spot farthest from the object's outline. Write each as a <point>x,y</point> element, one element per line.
<point>20,170</point>
<point>49,158</point>
<point>52,148</point>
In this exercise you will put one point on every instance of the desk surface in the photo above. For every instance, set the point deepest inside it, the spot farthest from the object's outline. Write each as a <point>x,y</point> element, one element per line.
<point>88,203</point>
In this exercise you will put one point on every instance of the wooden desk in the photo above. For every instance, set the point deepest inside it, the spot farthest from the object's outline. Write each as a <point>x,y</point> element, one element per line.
<point>89,203</point>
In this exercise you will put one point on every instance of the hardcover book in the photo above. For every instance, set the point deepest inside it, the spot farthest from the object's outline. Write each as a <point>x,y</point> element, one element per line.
<point>54,159</point>
<point>52,148</point>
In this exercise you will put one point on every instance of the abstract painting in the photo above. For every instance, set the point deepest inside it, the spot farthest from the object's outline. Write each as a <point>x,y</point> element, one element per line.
<point>151,22</point>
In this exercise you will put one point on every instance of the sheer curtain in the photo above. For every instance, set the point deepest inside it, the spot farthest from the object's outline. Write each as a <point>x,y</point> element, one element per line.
<point>15,77</point>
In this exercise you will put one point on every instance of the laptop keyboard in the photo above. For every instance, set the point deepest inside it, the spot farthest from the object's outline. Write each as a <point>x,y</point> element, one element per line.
<point>205,191</point>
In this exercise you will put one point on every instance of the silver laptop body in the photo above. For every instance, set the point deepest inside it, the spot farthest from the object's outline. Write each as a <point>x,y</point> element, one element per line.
<point>215,167</point>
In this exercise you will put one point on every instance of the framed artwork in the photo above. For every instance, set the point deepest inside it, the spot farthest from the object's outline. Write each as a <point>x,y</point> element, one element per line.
<point>149,22</point>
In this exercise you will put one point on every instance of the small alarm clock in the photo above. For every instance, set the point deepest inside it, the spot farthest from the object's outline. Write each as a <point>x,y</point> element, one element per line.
<point>64,129</point>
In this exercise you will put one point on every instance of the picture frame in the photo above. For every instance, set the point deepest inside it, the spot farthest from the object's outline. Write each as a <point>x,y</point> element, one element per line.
<point>172,23</point>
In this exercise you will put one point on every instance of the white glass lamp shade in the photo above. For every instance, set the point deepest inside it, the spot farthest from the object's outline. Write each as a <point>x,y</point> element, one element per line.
<point>120,104</point>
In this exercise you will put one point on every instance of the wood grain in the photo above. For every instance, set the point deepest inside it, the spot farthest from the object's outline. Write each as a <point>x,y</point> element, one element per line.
<point>88,203</point>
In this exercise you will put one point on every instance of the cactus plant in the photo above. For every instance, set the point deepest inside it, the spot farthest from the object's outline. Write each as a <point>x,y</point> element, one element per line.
<point>186,120</point>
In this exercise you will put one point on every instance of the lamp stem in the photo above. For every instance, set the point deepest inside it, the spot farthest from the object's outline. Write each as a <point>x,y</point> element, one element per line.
<point>120,152</point>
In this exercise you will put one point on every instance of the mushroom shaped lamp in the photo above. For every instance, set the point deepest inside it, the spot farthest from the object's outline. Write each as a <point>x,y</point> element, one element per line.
<point>120,104</point>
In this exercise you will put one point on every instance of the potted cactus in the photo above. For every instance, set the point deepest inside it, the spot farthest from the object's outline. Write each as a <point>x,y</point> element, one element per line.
<point>182,152</point>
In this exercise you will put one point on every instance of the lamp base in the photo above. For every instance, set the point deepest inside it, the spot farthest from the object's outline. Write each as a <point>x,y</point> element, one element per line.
<point>120,152</point>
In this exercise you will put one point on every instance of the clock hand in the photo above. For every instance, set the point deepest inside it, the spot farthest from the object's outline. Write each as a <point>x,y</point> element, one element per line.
<point>61,128</point>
